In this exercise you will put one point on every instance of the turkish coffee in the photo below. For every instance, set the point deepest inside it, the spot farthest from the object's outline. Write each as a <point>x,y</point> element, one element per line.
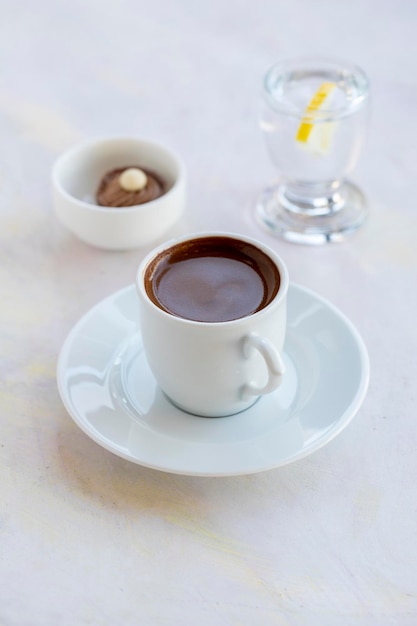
<point>212,279</point>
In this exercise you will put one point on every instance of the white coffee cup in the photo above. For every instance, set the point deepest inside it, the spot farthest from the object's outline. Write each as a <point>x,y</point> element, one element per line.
<point>213,367</point>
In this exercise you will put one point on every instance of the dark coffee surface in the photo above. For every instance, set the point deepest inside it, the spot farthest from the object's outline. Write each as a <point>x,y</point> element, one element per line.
<point>212,279</point>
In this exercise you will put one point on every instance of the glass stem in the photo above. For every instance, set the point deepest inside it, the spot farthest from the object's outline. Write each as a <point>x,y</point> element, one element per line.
<point>312,199</point>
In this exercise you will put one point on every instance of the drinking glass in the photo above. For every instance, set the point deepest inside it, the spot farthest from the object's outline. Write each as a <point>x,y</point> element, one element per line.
<point>314,115</point>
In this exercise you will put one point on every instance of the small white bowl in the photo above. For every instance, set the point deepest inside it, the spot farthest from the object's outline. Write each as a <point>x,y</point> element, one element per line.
<point>76,176</point>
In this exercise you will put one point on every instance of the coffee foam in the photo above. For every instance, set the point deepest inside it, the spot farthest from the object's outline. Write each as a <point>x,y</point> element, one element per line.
<point>212,279</point>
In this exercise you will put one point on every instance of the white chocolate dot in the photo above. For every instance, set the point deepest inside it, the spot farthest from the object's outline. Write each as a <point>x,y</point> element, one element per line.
<point>133,179</point>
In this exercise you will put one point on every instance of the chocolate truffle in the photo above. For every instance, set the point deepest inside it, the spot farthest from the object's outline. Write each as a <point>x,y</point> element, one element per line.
<point>128,186</point>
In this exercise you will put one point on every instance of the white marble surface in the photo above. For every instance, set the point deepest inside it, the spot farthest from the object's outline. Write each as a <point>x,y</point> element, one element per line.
<point>90,539</point>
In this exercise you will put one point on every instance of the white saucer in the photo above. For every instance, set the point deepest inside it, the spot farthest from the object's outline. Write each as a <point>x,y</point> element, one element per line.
<point>107,387</point>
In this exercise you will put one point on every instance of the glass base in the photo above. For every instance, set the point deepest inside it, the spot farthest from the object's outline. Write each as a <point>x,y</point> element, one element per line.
<point>293,222</point>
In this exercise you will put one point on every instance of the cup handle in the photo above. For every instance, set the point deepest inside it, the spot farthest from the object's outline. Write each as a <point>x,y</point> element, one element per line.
<point>273,361</point>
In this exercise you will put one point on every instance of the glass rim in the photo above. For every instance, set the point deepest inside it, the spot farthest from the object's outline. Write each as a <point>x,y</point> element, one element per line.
<point>318,65</point>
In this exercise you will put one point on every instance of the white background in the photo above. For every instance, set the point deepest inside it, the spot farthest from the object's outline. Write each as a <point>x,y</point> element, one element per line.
<point>90,539</point>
